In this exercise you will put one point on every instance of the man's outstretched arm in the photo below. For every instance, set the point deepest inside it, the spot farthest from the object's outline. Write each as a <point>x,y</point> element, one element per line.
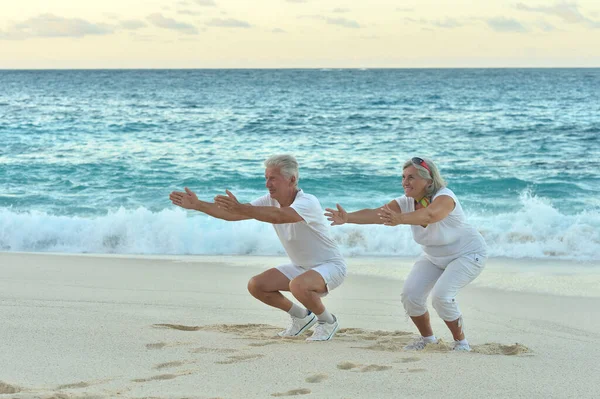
<point>268,214</point>
<point>189,200</point>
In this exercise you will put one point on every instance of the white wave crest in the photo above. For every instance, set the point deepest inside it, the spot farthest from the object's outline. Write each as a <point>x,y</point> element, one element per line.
<point>536,230</point>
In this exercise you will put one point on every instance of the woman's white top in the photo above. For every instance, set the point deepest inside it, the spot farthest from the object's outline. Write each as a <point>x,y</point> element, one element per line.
<point>448,239</point>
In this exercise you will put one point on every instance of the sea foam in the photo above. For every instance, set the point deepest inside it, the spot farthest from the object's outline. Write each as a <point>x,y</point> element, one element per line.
<point>536,230</point>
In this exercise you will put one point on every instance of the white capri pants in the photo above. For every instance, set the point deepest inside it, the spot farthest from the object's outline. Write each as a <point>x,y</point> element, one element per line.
<point>443,283</point>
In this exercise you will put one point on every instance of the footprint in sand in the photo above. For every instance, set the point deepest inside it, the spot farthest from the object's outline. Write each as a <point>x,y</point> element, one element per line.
<point>168,365</point>
<point>359,334</point>
<point>416,370</point>
<point>6,388</point>
<point>158,345</point>
<point>408,360</point>
<point>347,366</point>
<point>76,385</point>
<point>313,379</point>
<point>213,350</point>
<point>374,367</point>
<point>499,349</point>
<point>440,347</point>
<point>156,377</point>
<point>363,369</point>
<point>293,392</point>
<point>264,343</point>
<point>387,346</point>
<point>240,358</point>
<point>178,327</point>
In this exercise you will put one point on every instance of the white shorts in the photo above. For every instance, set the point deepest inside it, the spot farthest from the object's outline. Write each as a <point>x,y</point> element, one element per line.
<point>333,273</point>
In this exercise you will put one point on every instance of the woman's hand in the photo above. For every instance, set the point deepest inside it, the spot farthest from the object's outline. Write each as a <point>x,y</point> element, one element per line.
<point>186,200</point>
<point>389,217</point>
<point>337,217</point>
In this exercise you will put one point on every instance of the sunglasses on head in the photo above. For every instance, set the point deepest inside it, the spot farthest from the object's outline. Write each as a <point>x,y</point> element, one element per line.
<point>421,162</point>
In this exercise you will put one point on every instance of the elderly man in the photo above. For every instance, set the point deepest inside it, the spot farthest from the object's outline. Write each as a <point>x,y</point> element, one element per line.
<point>316,267</point>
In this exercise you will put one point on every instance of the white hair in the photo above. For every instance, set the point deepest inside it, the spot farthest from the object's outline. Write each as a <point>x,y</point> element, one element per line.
<point>437,180</point>
<point>286,163</point>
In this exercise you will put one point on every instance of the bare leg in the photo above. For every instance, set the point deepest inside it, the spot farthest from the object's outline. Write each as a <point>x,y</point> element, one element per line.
<point>456,329</point>
<point>423,324</point>
<point>266,286</point>
<point>307,288</point>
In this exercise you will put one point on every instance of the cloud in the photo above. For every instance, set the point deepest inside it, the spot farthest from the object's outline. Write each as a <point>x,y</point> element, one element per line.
<point>49,25</point>
<point>502,24</point>
<point>546,27</point>
<point>278,30</point>
<point>568,12</point>
<point>405,9</point>
<point>188,12</point>
<point>169,23</point>
<point>132,24</point>
<point>346,23</point>
<point>228,23</point>
<point>448,23</point>
<point>340,10</point>
<point>206,3</point>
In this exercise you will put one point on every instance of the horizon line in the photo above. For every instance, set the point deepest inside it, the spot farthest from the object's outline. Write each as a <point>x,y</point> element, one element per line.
<point>292,68</point>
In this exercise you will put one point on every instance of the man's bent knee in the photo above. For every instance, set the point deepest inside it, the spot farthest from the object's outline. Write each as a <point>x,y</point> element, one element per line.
<point>270,281</point>
<point>298,286</point>
<point>309,281</point>
<point>254,286</point>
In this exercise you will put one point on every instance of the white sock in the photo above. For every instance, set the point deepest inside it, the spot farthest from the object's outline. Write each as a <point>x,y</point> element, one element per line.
<point>297,311</point>
<point>326,317</point>
<point>462,341</point>
<point>431,339</point>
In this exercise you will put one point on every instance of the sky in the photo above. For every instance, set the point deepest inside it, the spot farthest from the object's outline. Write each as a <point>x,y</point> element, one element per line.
<point>48,34</point>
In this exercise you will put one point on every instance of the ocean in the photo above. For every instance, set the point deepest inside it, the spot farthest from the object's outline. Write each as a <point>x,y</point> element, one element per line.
<point>88,157</point>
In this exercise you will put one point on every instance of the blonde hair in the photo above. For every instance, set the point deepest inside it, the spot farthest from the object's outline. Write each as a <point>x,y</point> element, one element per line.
<point>286,163</point>
<point>437,180</point>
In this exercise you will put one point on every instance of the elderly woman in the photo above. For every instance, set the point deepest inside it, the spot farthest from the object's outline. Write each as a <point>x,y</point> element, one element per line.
<point>454,252</point>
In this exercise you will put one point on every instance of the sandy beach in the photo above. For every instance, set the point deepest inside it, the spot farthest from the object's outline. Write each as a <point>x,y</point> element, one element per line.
<point>82,326</point>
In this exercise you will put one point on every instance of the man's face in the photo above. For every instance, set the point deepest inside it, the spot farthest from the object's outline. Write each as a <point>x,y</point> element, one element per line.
<point>278,185</point>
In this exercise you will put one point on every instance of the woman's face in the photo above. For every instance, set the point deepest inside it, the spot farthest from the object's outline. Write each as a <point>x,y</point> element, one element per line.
<point>414,185</point>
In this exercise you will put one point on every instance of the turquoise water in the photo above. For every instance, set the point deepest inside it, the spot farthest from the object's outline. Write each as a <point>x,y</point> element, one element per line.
<point>88,158</point>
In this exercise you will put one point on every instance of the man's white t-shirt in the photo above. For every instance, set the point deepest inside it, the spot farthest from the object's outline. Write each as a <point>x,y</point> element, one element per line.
<point>448,239</point>
<point>307,242</point>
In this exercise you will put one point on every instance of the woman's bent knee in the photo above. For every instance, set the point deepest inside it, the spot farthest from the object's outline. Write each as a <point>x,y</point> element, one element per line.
<point>446,307</point>
<point>414,305</point>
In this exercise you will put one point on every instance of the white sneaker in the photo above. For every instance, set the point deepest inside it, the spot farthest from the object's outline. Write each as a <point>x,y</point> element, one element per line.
<point>461,347</point>
<point>299,325</point>
<point>324,331</point>
<point>418,344</point>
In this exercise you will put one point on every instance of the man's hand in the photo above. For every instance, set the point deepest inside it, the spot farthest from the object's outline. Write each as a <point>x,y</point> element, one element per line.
<point>228,202</point>
<point>337,217</point>
<point>389,217</point>
<point>185,200</point>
